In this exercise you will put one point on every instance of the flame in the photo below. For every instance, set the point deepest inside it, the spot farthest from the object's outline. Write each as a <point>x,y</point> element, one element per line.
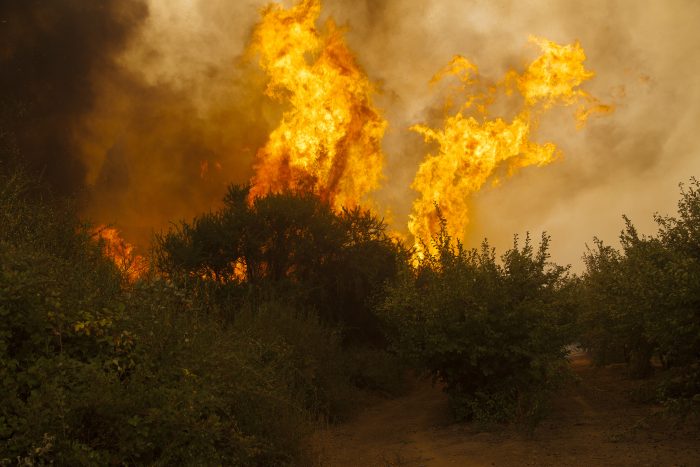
<point>121,252</point>
<point>473,147</point>
<point>329,139</point>
<point>240,271</point>
<point>555,77</point>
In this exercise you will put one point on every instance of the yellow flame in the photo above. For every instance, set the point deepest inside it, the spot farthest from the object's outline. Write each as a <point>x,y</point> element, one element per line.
<point>473,148</point>
<point>555,77</point>
<point>329,139</point>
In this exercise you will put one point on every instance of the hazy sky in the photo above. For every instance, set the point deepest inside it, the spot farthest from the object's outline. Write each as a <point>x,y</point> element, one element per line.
<point>174,114</point>
<point>646,55</point>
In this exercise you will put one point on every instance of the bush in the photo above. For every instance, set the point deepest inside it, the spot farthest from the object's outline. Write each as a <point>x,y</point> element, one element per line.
<point>644,300</point>
<point>286,247</point>
<point>58,320</point>
<point>493,334</point>
<point>316,369</point>
<point>96,369</point>
<point>153,379</point>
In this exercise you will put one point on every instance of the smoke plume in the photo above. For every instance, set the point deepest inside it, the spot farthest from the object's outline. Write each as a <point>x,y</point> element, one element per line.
<point>150,108</point>
<point>50,54</point>
<point>645,60</point>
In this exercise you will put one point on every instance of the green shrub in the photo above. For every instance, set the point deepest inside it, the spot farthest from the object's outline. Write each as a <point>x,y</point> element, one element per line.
<point>643,300</point>
<point>94,370</point>
<point>315,359</point>
<point>174,370</point>
<point>493,334</point>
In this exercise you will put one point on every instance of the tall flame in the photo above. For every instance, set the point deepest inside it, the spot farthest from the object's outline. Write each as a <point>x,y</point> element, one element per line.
<point>472,147</point>
<point>329,139</point>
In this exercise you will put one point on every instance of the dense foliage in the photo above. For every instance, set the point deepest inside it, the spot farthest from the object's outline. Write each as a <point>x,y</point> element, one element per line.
<point>292,248</point>
<point>643,303</point>
<point>97,370</point>
<point>493,333</point>
<point>261,319</point>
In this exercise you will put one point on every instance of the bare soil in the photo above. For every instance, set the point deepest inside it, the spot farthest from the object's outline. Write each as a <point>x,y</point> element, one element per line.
<point>593,422</point>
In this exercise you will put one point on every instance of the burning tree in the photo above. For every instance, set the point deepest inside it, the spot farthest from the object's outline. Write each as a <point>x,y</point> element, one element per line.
<point>473,146</point>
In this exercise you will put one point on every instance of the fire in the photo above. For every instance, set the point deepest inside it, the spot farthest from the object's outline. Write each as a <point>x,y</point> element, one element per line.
<point>329,139</point>
<point>555,77</point>
<point>474,147</point>
<point>122,253</point>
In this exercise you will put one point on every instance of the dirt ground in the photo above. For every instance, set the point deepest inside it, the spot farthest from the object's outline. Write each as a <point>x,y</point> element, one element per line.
<point>593,422</point>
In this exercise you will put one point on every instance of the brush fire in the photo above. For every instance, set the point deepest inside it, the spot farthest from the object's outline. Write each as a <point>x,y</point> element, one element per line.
<point>329,138</point>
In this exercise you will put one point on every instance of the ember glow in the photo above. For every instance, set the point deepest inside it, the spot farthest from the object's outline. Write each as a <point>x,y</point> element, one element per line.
<point>329,139</point>
<point>121,252</point>
<point>472,146</point>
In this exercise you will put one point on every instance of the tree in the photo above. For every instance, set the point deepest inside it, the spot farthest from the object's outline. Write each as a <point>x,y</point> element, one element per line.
<point>493,333</point>
<point>645,299</point>
<point>289,247</point>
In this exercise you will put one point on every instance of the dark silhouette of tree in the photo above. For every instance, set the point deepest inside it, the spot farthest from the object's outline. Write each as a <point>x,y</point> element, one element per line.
<point>290,247</point>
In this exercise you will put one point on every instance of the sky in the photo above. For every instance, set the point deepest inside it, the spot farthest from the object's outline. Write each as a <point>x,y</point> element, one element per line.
<point>158,107</point>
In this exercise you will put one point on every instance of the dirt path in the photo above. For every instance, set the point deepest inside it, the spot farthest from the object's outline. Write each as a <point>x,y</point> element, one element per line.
<point>593,423</point>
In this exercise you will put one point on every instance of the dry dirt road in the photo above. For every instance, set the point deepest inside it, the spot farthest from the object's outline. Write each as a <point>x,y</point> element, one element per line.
<point>593,422</point>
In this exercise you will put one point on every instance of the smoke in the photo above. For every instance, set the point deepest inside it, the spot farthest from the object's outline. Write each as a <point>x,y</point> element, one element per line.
<point>150,109</point>
<point>143,109</point>
<point>181,120</point>
<point>644,56</point>
<point>49,54</point>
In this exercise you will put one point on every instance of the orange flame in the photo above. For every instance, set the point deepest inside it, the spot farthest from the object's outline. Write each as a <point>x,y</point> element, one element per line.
<point>329,139</point>
<point>122,253</point>
<point>472,148</point>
